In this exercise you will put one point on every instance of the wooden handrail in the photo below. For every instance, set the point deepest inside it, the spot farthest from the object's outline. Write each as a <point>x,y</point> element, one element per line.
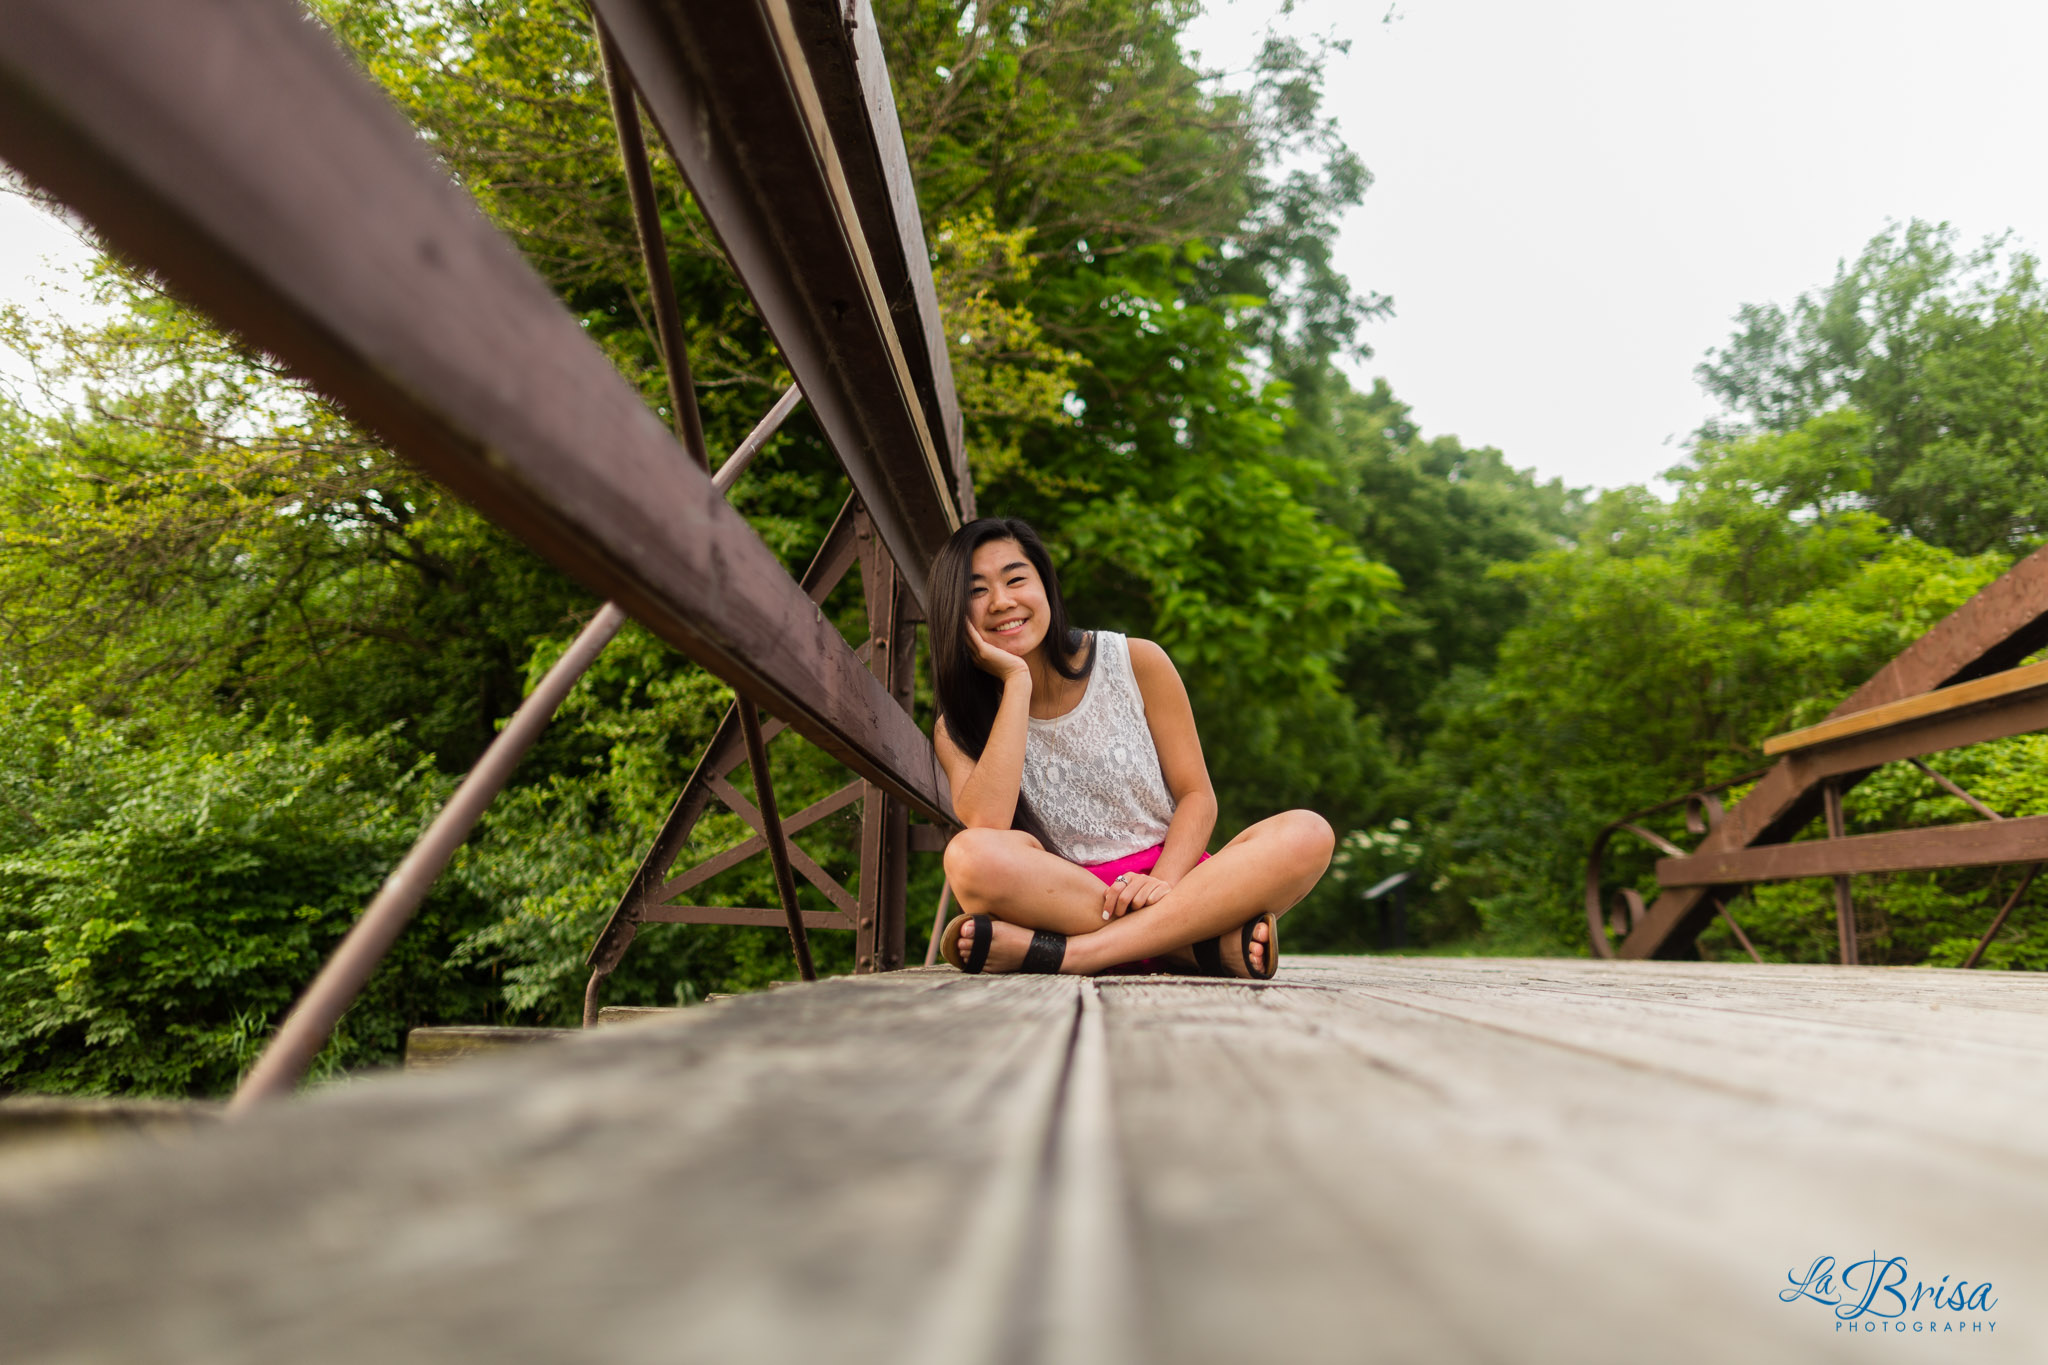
<point>2012,683</point>
<point>1996,629</point>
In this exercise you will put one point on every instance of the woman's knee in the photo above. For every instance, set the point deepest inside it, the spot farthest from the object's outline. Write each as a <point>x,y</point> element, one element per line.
<point>1311,836</point>
<point>979,859</point>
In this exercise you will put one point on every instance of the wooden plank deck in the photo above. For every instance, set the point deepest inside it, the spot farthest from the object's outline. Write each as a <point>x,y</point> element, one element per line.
<point>1369,1159</point>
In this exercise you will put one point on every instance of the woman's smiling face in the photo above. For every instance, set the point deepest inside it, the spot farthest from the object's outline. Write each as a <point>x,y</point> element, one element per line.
<point>1006,598</point>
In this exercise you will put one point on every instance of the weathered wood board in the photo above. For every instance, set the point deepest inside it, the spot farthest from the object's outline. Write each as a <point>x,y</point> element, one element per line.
<point>429,1048</point>
<point>1364,1160</point>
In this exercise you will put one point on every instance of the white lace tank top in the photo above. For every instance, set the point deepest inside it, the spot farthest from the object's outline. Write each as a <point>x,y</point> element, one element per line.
<point>1092,776</point>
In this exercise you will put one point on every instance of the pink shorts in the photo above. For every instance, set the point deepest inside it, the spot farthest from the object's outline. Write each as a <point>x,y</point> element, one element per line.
<point>1144,860</point>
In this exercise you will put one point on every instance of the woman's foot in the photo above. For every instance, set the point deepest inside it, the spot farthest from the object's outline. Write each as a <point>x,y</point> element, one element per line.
<point>1237,956</point>
<point>1006,948</point>
<point>1254,954</point>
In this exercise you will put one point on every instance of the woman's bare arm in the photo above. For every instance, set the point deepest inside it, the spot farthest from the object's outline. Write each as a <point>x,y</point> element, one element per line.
<point>1172,722</point>
<point>985,790</point>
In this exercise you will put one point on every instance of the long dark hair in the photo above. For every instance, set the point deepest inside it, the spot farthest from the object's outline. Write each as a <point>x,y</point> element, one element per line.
<point>969,697</point>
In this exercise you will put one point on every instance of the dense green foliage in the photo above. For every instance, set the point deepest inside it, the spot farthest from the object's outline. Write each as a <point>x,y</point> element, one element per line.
<point>1944,351</point>
<point>248,650</point>
<point>1877,472</point>
<point>163,898</point>
<point>210,573</point>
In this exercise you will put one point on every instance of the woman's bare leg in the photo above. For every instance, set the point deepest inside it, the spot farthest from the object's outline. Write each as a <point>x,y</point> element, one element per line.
<point>1008,874</point>
<point>1270,866</point>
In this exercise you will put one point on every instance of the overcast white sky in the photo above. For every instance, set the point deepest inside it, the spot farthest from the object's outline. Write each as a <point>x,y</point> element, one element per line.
<point>1572,197</point>
<point>36,249</point>
<point>31,241</point>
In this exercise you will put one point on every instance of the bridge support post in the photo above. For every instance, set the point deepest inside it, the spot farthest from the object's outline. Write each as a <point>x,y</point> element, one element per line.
<point>880,926</point>
<point>1845,905</point>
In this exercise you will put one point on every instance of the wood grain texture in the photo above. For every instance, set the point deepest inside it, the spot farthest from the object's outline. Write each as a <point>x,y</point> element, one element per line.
<point>1925,735</point>
<point>635,1014</point>
<point>1572,1162</point>
<point>1364,1160</point>
<point>428,1048</point>
<point>763,1180</point>
<point>2011,684</point>
<point>43,1117</point>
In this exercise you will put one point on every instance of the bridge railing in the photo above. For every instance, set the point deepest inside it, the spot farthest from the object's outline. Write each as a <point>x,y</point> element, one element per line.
<point>238,153</point>
<point>1956,686</point>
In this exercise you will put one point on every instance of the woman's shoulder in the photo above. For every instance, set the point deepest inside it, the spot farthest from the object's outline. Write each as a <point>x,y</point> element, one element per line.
<point>1130,646</point>
<point>1150,665</point>
<point>1145,654</point>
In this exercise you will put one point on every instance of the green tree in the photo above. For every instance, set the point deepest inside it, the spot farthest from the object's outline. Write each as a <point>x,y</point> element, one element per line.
<point>183,525</point>
<point>1134,267</point>
<point>1660,651</point>
<point>167,890</point>
<point>1946,352</point>
<point>1443,516</point>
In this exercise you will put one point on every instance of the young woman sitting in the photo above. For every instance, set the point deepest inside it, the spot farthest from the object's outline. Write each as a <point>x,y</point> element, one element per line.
<point>1077,772</point>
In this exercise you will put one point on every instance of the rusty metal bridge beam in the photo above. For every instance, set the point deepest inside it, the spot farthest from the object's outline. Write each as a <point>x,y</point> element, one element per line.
<point>1993,631</point>
<point>1980,843</point>
<point>886,841</point>
<point>684,417</point>
<point>306,1029</point>
<point>885,825</point>
<point>236,151</point>
<point>835,555</point>
<point>782,123</point>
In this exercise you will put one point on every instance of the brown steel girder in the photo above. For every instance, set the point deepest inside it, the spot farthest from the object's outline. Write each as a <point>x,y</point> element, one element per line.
<point>1997,628</point>
<point>1703,810</point>
<point>876,914</point>
<point>748,95</point>
<point>835,555</point>
<point>235,150</point>
<point>1978,843</point>
<point>885,822</point>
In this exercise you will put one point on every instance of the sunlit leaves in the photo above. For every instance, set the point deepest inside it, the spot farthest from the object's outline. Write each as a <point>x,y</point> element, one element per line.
<point>1658,654</point>
<point>1946,353</point>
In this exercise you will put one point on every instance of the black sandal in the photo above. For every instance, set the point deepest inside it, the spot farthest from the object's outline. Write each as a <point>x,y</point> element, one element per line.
<point>1209,952</point>
<point>977,956</point>
<point>1043,957</point>
<point>1047,951</point>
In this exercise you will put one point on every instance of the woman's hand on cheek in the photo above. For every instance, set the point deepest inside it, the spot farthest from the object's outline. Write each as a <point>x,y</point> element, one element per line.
<point>989,659</point>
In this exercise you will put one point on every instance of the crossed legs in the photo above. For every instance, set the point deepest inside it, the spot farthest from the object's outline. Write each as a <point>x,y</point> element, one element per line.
<point>1009,876</point>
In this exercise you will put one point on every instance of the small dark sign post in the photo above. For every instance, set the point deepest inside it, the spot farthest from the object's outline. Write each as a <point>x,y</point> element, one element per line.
<point>1392,894</point>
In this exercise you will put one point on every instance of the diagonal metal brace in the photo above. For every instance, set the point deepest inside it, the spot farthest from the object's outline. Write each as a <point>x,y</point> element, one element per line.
<point>778,843</point>
<point>740,852</point>
<point>757,820</point>
<point>834,557</point>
